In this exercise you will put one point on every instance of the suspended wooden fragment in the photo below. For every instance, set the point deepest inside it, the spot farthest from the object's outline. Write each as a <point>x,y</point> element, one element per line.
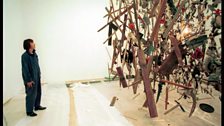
<point>149,50</point>
<point>115,54</point>
<point>155,4</point>
<point>137,80</point>
<point>177,50</point>
<point>147,84</point>
<point>124,28</point>
<point>136,23</point>
<point>192,93</point>
<point>144,3</point>
<point>107,15</point>
<point>160,87</point>
<point>114,33</point>
<point>122,78</point>
<point>111,27</point>
<point>141,46</point>
<point>195,42</point>
<point>171,62</point>
<point>166,97</point>
<point>146,19</point>
<point>173,9</point>
<point>116,17</point>
<point>174,19</point>
<point>157,25</point>
<point>178,85</point>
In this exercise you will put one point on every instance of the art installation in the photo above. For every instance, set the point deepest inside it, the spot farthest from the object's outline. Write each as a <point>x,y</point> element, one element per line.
<point>164,44</point>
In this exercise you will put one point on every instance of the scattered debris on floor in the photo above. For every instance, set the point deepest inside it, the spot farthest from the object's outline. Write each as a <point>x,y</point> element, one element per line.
<point>114,99</point>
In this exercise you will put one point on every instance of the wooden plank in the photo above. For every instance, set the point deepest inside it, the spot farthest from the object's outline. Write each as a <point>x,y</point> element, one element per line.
<point>166,97</point>
<point>137,74</point>
<point>111,34</point>
<point>171,62</point>
<point>115,54</point>
<point>149,64</point>
<point>175,43</point>
<point>157,25</point>
<point>114,99</point>
<point>111,16</point>
<point>72,112</point>
<point>135,82</point>
<point>155,4</point>
<point>126,2</point>
<point>124,28</point>
<point>174,19</point>
<point>116,18</point>
<point>171,109</point>
<point>179,85</point>
<point>122,78</point>
<point>113,12</point>
<point>147,84</point>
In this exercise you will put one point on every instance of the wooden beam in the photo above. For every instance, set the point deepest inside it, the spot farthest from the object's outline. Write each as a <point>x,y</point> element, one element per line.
<point>116,17</point>
<point>157,25</point>
<point>179,85</point>
<point>147,84</point>
<point>113,12</point>
<point>174,19</point>
<point>175,43</point>
<point>122,78</point>
<point>166,97</point>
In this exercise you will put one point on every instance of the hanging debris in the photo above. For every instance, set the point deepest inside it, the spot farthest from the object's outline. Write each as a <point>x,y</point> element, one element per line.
<point>161,39</point>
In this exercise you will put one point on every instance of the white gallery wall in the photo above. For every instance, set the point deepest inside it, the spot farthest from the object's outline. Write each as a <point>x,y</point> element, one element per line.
<point>66,37</point>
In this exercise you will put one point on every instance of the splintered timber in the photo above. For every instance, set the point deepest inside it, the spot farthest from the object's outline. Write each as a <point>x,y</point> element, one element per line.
<point>167,40</point>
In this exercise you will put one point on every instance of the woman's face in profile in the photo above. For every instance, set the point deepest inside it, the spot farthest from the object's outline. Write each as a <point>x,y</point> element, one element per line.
<point>32,45</point>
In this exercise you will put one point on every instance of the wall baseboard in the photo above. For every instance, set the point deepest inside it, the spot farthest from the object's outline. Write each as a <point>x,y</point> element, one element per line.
<point>6,100</point>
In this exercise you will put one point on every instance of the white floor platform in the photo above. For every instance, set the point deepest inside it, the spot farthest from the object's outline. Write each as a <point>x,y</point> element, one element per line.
<point>54,97</point>
<point>92,108</point>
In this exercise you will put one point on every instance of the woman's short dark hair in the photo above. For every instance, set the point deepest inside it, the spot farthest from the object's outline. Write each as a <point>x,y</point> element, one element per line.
<point>26,44</point>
